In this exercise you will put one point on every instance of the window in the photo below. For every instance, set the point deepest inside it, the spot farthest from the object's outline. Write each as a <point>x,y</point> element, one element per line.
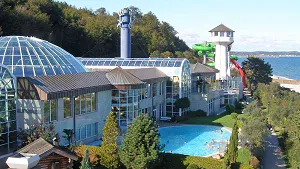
<point>229,34</point>
<point>88,130</point>
<point>85,103</point>
<point>83,133</point>
<point>222,34</point>
<point>154,92</point>
<point>50,110</point>
<point>67,107</point>
<point>216,33</point>
<point>93,98</point>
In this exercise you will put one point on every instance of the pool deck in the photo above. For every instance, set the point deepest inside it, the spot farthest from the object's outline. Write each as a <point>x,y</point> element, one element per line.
<point>171,124</point>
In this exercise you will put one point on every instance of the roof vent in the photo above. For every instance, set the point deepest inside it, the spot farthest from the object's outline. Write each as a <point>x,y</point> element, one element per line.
<point>23,161</point>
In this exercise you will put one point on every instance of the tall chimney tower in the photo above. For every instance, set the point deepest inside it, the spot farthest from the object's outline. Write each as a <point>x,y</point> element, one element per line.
<point>125,24</point>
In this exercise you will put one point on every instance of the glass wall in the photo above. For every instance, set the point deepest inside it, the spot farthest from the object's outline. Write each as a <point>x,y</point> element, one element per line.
<point>125,104</point>
<point>8,126</point>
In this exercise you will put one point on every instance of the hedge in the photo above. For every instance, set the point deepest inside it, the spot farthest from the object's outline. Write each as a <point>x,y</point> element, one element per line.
<point>179,161</point>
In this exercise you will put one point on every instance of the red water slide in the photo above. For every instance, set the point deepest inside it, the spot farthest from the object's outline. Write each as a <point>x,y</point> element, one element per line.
<point>241,72</point>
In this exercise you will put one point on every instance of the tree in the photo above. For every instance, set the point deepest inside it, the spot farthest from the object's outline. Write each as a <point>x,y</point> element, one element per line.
<point>85,163</point>
<point>108,148</point>
<point>68,135</point>
<point>257,71</point>
<point>182,103</point>
<point>100,11</point>
<point>35,131</point>
<point>140,147</point>
<point>233,144</point>
<point>226,160</point>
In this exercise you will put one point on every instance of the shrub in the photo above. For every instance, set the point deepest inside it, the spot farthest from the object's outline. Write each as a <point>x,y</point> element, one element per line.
<point>182,103</point>
<point>254,162</point>
<point>229,108</point>
<point>202,162</point>
<point>192,166</point>
<point>198,113</point>
<point>35,131</point>
<point>234,116</point>
<point>94,152</point>
<point>238,105</point>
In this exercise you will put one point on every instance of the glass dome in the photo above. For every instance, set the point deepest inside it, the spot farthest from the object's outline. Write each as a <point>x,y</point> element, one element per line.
<point>29,56</point>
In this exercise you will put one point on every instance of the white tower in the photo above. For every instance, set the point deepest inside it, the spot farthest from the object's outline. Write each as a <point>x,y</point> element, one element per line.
<point>222,37</point>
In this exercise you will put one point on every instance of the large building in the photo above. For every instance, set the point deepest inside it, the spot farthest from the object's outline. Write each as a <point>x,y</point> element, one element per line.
<point>40,82</point>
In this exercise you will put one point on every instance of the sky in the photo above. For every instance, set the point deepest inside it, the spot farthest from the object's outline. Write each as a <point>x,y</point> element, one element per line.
<point>268,25</point>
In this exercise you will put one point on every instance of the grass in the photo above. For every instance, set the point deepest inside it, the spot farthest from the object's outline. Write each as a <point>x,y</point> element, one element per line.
<point>222,120</point>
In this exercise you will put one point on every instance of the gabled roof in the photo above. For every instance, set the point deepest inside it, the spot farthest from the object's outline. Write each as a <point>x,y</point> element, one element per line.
<point>71,84</point>
<point>120,77</point>
<point>200,68</point>
<point>221,28</point>
<point>149,75</point>
<point>43,148</point>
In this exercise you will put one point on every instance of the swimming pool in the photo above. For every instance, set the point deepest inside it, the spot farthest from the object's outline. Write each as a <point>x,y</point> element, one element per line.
<point>194,140</point>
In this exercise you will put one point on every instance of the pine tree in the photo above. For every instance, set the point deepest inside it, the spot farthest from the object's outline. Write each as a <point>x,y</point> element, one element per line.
<point>85,163</point>
<point>226,160</point>
<point>108,149</point>
<point>233,146</point>
<point>140,147</point>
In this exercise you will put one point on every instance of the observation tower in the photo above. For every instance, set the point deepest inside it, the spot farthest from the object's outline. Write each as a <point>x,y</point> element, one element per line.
<point>222,37</point>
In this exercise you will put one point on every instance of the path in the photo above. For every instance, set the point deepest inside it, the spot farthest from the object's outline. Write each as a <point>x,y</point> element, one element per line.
<point>273,157</point>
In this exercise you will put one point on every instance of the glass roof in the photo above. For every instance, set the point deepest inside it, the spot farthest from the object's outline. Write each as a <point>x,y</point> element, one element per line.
<point>136,62</point>
<point>6,80</point>
<point>29,56</point>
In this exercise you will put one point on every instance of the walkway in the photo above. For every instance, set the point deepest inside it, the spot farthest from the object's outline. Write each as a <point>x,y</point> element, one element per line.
<point>273,157</point>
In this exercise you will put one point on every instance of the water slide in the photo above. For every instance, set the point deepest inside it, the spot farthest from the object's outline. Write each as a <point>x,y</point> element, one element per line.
<point>208,49</point>
<point>233,61</point>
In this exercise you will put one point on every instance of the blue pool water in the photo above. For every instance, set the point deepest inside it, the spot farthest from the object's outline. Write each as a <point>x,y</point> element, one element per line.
<point>174,139</point>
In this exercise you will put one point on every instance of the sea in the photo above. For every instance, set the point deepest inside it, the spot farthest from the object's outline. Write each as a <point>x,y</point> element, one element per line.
<point>288,67</point>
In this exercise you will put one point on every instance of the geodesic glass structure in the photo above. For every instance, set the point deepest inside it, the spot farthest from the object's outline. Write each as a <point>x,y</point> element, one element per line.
<point>8,125</point>
<point>29,56</point>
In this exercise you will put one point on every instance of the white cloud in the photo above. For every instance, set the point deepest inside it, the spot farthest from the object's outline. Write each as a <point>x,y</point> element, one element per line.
<point>261,41</point>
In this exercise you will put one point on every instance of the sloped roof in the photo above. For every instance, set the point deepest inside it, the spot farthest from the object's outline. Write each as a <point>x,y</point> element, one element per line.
<point>149,75</point>
<point>200,68</point>
<point>118,76</point>
<point>221,28</point>
<point>71,84</point>
<point>43,148</point>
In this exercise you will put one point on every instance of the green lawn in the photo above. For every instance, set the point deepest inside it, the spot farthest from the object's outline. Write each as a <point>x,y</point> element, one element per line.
<point>221,120</point>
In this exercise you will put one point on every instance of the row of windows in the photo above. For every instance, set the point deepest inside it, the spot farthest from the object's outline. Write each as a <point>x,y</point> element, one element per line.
<point>222,34</point>
<point>83,104</point>
<point>86,131</point>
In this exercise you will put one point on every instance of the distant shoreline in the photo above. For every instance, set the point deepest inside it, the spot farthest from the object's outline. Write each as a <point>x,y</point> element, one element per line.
<point>271,56</point>
<point>287,83</point>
